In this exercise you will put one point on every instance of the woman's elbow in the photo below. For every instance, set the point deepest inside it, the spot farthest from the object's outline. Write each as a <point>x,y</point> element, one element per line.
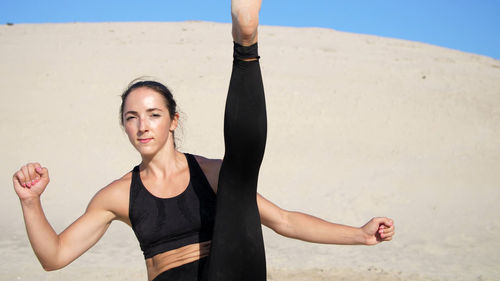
<point>283,226</point>
<point>52,265</point>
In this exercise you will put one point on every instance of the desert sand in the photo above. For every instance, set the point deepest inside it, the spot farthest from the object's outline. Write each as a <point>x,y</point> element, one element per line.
<point>359,126</point>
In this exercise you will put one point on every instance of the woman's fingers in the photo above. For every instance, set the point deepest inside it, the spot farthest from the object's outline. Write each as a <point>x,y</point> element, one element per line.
<point>26,176</point>
<point>19,178</point>
<point>40,172</point>
<point>384,228</point>
<point>29,174</point>
<point>386,232</point>
<point>387,236</point>
<point>30,181</point>
<point>38,169</point>
<point>33,174</point>
<point>42,175</point>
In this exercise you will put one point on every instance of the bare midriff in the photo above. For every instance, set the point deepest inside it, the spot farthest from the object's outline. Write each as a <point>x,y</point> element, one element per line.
<point>177,257</point>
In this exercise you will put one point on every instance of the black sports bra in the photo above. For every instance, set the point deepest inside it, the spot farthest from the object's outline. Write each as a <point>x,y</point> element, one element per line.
<point>164,224</point>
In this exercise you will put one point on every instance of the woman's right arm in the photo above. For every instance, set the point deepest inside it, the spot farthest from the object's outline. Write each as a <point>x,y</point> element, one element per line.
<point>52,250</point>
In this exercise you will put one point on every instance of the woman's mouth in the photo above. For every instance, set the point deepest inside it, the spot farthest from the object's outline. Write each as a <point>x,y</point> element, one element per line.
<point>145,140</point>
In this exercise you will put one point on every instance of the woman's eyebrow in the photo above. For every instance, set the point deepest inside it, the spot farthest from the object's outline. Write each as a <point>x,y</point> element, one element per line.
<point>130,112</point>
<point>147,110</point>
<point>153,109</point>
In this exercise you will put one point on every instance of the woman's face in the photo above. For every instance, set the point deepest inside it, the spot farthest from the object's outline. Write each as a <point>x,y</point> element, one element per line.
<point>147,121</point>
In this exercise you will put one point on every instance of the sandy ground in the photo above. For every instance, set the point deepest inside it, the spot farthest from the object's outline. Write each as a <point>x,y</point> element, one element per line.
<point>359,126</point>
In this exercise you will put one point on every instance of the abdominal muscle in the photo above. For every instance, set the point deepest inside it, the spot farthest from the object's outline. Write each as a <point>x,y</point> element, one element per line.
<point>177,257</point>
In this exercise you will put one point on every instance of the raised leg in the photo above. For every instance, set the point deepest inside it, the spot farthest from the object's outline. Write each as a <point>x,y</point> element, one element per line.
<point>237,251</point>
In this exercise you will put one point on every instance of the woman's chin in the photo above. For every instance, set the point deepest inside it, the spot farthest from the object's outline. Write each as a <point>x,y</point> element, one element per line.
<point>146,151</point>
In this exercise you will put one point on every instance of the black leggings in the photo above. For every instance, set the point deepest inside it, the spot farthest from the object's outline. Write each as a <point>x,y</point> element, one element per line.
<point>237,250</point>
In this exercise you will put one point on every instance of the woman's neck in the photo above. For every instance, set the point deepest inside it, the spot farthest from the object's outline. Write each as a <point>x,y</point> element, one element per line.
<point>163,163</point>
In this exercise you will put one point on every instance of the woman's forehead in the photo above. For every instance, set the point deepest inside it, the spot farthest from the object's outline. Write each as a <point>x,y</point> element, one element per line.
<point>144,98</point>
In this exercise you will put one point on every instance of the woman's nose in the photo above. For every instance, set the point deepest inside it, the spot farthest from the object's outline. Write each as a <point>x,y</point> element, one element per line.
<point>143,125</point>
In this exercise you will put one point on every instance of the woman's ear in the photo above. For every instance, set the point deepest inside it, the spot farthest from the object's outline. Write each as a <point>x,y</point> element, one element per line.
<point>175,122</point>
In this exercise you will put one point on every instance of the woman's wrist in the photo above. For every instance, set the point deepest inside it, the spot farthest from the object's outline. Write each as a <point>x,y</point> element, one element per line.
<point>362,237</point>
<point>30,202</point>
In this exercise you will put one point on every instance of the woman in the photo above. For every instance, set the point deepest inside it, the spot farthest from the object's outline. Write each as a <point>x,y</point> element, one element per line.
<point>169,199</point>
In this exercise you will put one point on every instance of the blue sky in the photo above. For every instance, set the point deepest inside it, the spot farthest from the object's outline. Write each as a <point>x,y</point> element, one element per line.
<point>466,25</point>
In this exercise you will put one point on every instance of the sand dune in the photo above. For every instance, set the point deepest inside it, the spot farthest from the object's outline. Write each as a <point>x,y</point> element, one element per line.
<point>359,126</point>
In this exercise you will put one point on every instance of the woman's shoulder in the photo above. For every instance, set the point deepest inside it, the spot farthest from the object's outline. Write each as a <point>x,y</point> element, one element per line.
<point>210,168</point>
<point>115,196</point>
<point>202,160</point>
<point>119,185</point>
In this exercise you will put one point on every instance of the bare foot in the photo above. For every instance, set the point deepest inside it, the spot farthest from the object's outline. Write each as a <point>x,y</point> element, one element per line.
<point>245,16</point>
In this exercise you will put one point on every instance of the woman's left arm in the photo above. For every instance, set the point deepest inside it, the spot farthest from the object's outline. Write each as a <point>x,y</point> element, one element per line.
<point>305,227</point>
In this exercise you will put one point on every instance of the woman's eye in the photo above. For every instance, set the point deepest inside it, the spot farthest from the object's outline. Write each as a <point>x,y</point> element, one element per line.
<point>129,117</point>
<point>155,115</point>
